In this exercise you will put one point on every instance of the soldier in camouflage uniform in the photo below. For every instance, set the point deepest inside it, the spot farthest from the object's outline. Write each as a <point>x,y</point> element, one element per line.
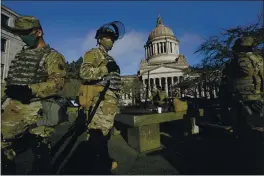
<point>244,82</point>
<point>101,70</point>
<point>158,97</point>
<point>37,73</point>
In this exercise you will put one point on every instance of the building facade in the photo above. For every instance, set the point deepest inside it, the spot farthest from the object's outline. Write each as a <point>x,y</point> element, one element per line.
<point>163,64</point>
<point>127,93</point>
<point>10,44</point>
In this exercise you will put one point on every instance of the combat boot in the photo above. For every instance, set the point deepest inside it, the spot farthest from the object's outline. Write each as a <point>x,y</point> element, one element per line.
<point>8,165</point>
<point>114,165</point>
<point>42,159</point>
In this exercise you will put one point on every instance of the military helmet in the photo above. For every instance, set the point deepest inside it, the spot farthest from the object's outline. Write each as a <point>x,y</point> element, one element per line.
<point>24,24</point>
<point>107,32</point>
<point>115,30</point>
<point>244,42</point>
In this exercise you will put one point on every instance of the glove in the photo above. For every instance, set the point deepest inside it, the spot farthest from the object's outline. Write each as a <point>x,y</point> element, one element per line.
<point>258,107</point>
<point>112,67</point>
<point>19,92</point>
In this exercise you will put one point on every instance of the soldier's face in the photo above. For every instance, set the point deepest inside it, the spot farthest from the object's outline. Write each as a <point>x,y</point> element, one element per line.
<point>31,38</point>
<point>107,43</point>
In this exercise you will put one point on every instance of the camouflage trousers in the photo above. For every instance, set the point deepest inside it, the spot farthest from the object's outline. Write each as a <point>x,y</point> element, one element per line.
<point>17,119</point>
<point>104,113</point>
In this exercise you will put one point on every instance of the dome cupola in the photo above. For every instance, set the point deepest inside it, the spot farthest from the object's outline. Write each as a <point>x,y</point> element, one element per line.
<point>160,30</point>
<point>162,46</point>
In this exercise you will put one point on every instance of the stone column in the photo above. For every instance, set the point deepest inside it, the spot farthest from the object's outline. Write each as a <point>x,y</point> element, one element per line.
<point>217,91</point>
<point>176,49</point>
<point>207,94</point>
<point>160,82</point>
<point>172,48</point>
<point>202,92</point>
<point>131,96</point>
<point>149,49</point>
<point>214,92</point>
<point>144,83</point>
<point>154,49</point>
<point>167,47</point>
<point>172,86</point>
<point>154,83</point>
<point>166,85</point>
<point>197,92</point>
<point>149,87</point>
<point>146,55</point>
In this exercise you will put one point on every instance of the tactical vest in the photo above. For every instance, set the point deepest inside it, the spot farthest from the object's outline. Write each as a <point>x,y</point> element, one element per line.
<point>113,77</point>
<point>28,67</point>
<point>249,85</point>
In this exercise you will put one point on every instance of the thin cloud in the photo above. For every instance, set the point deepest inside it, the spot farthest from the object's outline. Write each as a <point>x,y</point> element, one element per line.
<point>189,43</point>
<point>127,51</point>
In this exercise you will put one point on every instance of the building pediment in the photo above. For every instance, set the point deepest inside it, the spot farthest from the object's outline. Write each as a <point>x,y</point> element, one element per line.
<point>163,69</point>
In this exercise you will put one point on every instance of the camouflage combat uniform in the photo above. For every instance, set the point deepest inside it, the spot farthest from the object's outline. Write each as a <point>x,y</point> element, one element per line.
<point>103,119</point>
<point>244,83</point>
<point>42,71</point>
<point>101,70</point>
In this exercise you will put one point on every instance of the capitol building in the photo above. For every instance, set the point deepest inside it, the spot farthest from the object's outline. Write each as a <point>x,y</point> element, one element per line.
<point>163,63</point>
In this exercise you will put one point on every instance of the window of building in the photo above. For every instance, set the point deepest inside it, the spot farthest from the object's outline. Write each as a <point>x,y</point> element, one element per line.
<point>3,44</point>
<point>165,47</point>
<point>2,70</point>
<point>4,19</point>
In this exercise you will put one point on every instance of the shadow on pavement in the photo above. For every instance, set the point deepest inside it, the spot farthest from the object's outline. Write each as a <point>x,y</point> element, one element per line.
<point>211,152</point>
<point>82,162</point>
<point>73,133</point>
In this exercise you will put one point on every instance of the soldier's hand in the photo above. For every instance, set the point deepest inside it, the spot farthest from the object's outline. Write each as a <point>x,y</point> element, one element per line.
<point>19,92</point>
<point>10,92</point>
<point>258,107</point>
<point>113,67</point>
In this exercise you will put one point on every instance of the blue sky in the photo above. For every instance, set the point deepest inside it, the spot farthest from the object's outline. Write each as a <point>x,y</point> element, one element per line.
<point>70,26</point>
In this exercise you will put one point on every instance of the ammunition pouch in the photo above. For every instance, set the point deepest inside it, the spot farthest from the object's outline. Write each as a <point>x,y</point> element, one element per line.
<point>54,111</point>
<point>87,93</point>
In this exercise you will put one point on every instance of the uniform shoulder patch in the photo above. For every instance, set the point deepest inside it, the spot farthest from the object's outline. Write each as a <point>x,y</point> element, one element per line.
<point>60,66</point>
<point>93,50</point>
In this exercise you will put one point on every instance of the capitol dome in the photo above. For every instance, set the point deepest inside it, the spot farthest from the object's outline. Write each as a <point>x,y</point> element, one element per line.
<point>160,31</point>
<point>161,46</point>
